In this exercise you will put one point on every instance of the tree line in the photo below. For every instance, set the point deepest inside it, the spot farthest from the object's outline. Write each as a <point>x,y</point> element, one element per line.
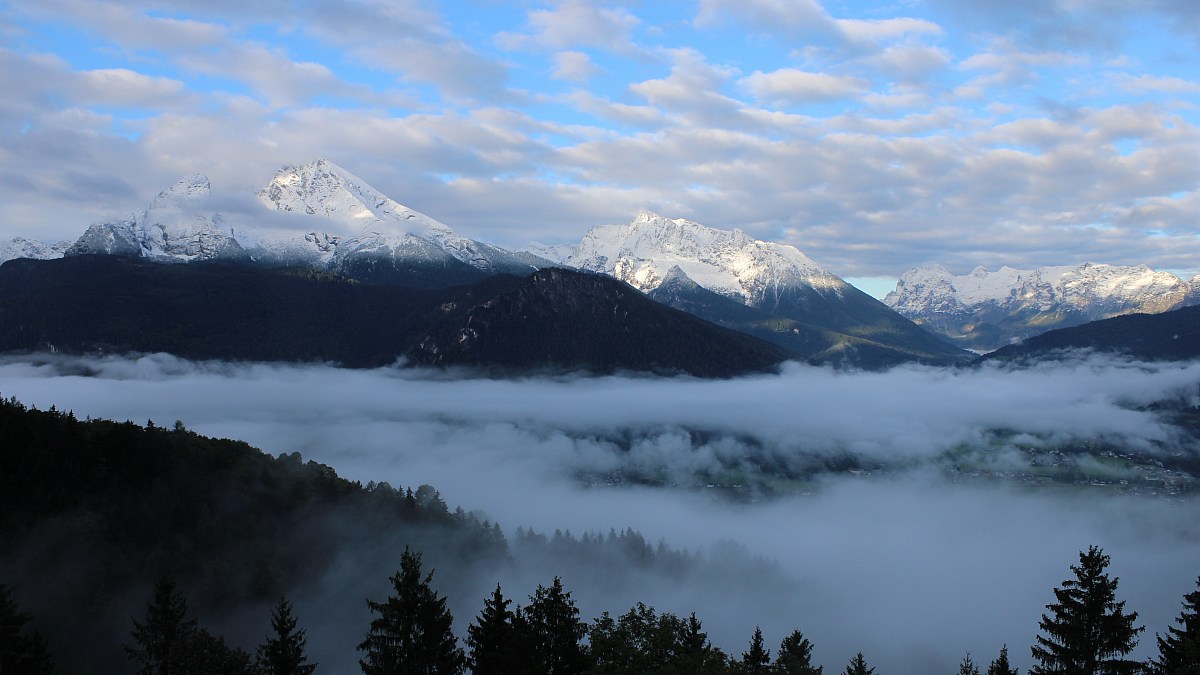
<point>1086,631</point>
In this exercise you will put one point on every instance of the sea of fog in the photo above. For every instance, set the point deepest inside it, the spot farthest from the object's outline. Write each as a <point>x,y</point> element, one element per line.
<point>906,566</point>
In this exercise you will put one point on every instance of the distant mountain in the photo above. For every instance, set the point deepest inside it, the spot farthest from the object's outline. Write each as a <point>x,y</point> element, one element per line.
<point>359,232</point>
<point>798,303</point>
<point>174,228</point>
<point>987,310</point>
<point>816,345</point>
<point>21,247</point>
<point>1172,335</point>
<point>551,320</point>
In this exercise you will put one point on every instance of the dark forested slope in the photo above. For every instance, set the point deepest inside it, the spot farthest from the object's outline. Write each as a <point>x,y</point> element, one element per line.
<point>553,319</point>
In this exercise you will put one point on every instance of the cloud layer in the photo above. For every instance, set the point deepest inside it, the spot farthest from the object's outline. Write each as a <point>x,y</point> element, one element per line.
<point>874,139</point>
<point>907,567</point>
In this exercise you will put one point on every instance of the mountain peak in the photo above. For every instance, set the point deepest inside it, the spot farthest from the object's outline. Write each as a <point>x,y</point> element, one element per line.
<point>189,187</point>
<point>644,252</point>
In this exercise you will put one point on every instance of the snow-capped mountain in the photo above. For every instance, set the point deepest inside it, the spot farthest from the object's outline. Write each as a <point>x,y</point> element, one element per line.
<point>175,227</point>
<point>986,310</point>
<point>730,262</point>
<point>20,247</point>
<point>378,227</point>
<point>341,224</point>
<point>776,279</point>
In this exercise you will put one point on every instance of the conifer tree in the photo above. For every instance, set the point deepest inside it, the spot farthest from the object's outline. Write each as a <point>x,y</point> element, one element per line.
<point>795,656</point>
<point>552,626</point>
<point>1000,665</point>
<point>170,643</point>
<point>1087,631</point>
<point>698,656</point>
<point>162,644</point>
<point>283,652</point>
<point>858,666</point>
<point>757,659</point>
<point>967,666</point>
<point>1179,651</point>
<point>490,638</point>
<point>20,653</point>
<point>413,634</point>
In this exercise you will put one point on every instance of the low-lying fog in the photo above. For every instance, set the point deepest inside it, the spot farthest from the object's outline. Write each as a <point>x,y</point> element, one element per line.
<point>907,567</point>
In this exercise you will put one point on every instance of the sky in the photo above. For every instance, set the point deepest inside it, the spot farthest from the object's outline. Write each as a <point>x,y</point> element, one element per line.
<point>905,565</point>
<point>873,136</point>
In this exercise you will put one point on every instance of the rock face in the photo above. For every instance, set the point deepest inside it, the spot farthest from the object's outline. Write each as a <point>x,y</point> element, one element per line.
<point>987,310</point>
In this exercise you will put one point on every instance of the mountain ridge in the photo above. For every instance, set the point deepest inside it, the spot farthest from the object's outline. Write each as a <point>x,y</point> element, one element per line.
<point>987,310</point>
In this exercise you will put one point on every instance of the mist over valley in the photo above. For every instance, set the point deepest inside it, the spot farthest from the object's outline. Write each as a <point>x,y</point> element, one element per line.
<point>912,514</point>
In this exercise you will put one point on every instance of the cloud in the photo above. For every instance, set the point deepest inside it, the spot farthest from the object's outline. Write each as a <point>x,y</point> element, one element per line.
<point>790,86</point>
<point>574,66</point>
<point>800,19</point>
<point>524,452</point>
<point>910,62</point>
<point>1148,84</point>
<point>574,24</point>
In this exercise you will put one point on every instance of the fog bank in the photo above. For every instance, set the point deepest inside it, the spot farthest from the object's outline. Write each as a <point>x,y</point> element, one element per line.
<point>904,566</point>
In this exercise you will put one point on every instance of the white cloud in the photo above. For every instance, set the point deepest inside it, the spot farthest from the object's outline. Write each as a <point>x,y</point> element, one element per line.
<point>573,24</point>
<point>881,30</point>
<point>910,62</point>
<point>1151,84</point>
<point>788,18</point>
<point>790,86</point>
<point>574,66</point>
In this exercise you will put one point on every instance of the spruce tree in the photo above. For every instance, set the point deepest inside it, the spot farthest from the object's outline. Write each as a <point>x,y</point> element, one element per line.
<point>758,658</point>
<point>170,643</point>
<point>1087,631</point>
<point>795,656</point>
<point>552,626</point>
<point>967,666</point>
<point>490,638</point>
<point>858,666</point>
<point>283,652</point>
<point>1179,651</point>
<point>413,634</point>
<point>162,644</point>
<point>20,653</point>
<point>1000,665</point>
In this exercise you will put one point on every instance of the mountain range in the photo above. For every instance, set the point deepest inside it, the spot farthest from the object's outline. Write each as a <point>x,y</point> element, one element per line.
<point>985,310</point>
<point>319,216</point>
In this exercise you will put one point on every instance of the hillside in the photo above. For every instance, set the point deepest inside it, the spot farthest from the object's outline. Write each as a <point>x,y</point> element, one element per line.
<point>1173,335</point>
<point>553,320</point>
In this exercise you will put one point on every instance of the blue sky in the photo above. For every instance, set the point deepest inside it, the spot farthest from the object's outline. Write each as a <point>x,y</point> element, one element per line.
<point>874,136</point>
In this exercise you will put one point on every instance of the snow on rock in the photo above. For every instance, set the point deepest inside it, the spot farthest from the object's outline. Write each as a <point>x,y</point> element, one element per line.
<point>20,247</point>
<point>645,251</point>
<point>1090,288</point>
<point>985,310</point>
<point>377,225</point>
<point>350,220</point>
